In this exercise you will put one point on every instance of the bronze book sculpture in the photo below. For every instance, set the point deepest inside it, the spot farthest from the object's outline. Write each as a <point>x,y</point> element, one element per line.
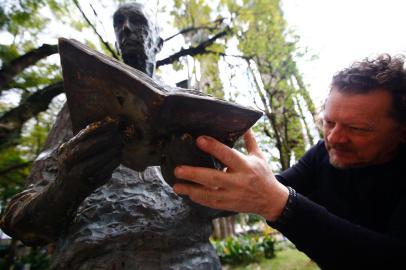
<point>160,122</point>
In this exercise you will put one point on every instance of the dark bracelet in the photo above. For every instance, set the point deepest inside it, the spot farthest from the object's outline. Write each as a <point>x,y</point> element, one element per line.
<point>287,210</point>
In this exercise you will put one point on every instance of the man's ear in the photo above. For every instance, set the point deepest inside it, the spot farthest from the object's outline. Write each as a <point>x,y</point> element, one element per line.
<point>160,44</point>
<point>117,48</point>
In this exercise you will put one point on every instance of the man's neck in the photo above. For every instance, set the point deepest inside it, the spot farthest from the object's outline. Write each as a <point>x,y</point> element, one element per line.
<point>139,63</point>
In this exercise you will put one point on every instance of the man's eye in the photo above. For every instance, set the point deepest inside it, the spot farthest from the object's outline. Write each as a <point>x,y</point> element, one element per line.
<point>360,129</point>
<point>327,123</point>
<point>138,20</point>
<point>118,21</point>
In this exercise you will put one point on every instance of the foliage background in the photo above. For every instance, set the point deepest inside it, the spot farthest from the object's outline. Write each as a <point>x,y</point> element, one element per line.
<point>241,51</point>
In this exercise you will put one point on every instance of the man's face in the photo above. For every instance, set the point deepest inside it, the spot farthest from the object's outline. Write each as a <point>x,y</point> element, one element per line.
<point>137,39</point>
<point>358,129</point>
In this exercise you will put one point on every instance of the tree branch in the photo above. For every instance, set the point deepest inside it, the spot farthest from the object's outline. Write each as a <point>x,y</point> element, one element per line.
<point>267,106</point>
<point>190,29</point>
<point>15,167</point>
<point>272,119</point>
<point>208,26</point>
<point>105,43</point>
<point>247,58</point>
<point>20,63</point>
<point>192,51</point>
<point>12,121</point>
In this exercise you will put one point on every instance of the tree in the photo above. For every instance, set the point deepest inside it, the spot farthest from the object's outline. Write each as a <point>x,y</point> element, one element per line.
<point>29,73</point>
<point>269,50</point>
<point>265,49</point>
<point>200,25</point>
<point>24,66</point>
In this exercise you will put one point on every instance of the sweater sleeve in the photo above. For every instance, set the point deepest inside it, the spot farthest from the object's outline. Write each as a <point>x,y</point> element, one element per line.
<point>333,242</point>
<point>301,176</point>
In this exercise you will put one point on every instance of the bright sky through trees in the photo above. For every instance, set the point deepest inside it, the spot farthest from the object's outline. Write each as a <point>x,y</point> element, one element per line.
<point>341,31</point>
<point>337,32</point>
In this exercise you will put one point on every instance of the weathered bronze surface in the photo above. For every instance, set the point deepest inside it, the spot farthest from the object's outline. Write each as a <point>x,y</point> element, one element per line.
<point>102,215</point>
<point>98,86</point>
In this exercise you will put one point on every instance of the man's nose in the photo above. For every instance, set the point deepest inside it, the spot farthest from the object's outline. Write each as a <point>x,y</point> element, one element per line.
<point>127,26</point>
<point>337,135</point>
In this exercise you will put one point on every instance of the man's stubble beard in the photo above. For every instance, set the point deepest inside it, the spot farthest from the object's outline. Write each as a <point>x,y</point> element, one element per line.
<point>333,160</point>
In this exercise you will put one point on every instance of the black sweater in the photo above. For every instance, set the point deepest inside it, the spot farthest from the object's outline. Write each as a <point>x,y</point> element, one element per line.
<point>347,218</point>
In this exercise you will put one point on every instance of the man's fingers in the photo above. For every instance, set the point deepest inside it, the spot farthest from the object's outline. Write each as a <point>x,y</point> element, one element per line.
<point>199,193</point>
<point>203,176</point>
<point>251,143</point>
<point>226,155</point>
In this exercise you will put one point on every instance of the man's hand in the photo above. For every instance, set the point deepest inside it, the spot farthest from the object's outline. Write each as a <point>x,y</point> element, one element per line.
<point>89,158</point>
<point>246,185</point>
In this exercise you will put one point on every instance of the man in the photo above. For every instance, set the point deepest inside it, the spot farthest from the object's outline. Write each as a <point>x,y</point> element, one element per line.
<point>344,202</point>
<point>102,216</point>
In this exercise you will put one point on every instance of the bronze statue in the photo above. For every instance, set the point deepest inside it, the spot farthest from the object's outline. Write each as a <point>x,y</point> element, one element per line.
<point>99,213</point>
<point>153,117</point>
<point>137,37</point>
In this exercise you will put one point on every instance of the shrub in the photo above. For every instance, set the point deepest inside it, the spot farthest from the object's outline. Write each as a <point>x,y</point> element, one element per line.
<point>244,249</point>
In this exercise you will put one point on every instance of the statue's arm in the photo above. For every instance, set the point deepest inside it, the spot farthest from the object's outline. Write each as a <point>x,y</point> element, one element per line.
<point>40,213</point>
<point>61,178</point>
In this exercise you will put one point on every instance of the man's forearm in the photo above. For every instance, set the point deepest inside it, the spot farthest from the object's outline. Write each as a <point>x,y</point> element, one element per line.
<point>39,217</point>
<point>332,241</point>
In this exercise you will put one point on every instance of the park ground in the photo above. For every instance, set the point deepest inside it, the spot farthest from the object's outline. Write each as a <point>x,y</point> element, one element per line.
<point>288,258</point>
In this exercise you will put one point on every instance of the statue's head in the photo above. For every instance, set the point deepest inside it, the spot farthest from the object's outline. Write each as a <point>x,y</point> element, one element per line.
<point>137,36</point>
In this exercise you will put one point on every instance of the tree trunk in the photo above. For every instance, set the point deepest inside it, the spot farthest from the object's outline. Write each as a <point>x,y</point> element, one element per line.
<point>223,227</point>
<point>8,265</point>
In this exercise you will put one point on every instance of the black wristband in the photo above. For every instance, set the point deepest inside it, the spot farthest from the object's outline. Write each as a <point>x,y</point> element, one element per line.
<point>287,210</point>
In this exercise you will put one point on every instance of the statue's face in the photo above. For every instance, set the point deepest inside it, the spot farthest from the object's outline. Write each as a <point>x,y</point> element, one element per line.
<point>137,38</point>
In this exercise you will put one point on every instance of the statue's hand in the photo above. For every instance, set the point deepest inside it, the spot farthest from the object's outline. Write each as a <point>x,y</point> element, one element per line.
<point>89,158</point>
<point>181,150</point>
